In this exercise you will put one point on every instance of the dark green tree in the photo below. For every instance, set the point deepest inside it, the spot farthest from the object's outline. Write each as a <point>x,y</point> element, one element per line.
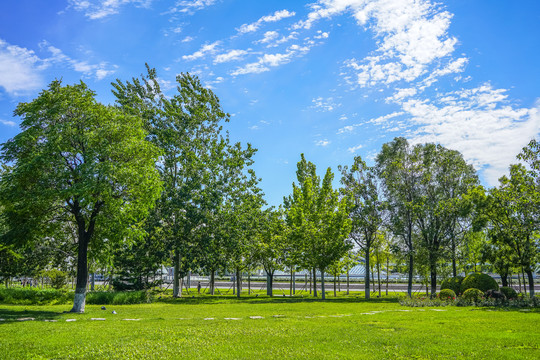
<point>77,161</point>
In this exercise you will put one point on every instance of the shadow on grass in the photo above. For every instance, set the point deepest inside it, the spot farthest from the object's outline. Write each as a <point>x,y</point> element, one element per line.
<point>13,316</point>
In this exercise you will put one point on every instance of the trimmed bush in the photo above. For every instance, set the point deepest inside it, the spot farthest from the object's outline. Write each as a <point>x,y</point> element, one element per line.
<point>509,292</point>
<point>58,278</point>
<point>453,284</point>
<point>472,294</point>
<point>482,282</point>
<point>447,294</point>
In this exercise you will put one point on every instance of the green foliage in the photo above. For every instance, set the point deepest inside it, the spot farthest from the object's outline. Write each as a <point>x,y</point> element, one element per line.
<point>509,292</point>
<point>453,284</point>
<point>34,296</point>
<point>447,294</point>
<point>57,278</point>
<point>480,281</point>
<point>472,294</point>
<point>118,298</point>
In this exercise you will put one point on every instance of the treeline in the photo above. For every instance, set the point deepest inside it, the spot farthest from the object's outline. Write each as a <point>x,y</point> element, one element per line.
<point>154,180</point>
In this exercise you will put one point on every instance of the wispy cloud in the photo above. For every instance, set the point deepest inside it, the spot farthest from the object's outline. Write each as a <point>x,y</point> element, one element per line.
<point>325,104</point>
<point>231,55</point>
<point>99,71</point>
<point>20,68</point>
<point>8,122</point>
<point>98,9</point>
<point>354,149</point>
<point>190,6</point>
<point>203,51</point>
<point>276,16</point>
<point>323,143</point>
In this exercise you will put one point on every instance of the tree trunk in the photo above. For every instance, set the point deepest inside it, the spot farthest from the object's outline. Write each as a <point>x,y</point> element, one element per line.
<point>290,282</point>
<point>387,272</point>
<point>294,283</point>
<point>249,284</point>
<point>409,281</point>
<point>212,281</point>
<point>524,282</point>
<point>433,273</point>
<point>177,290</point>
<point>348,281</point>
<point>379,274</point>
<point>93,281</point>
<point>504,279</point>
<point>314,282</point>
<point>269,283</point>
<point>454,266</point>
<point>82,273</point>
<point>322,285</point>
<point>531,282</point>
<point>238,283</point>
<point>335,292</point>
<point>367,290</point>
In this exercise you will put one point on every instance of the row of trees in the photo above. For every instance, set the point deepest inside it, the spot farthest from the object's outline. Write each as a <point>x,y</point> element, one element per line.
<point>154,180</point>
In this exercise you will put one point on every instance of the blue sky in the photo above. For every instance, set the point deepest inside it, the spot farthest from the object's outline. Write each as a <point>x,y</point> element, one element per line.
<point>329,78</point>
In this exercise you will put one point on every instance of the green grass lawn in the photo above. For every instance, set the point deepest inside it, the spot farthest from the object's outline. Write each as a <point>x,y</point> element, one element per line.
<point>342,328</point>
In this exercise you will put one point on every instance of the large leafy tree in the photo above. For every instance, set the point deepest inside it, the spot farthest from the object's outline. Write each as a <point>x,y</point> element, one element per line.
<point>318,219</point>
<point>197,164</point>
<point>77,161</point>
<point>441,200</point>
<point>363,187</point>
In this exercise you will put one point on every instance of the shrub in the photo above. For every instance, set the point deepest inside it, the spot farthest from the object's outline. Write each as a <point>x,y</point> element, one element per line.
<point>32,296</point>
<point>58,278</point>
<point>447,294</point>
<point>482,282</point>
<point>473,295</point>
<point>453,284</point>
<point>118,298</point>
<point>509,292</point>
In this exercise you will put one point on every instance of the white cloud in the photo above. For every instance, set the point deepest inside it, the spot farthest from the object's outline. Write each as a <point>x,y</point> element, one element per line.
<point>346,129</point>
<point>412,38</point>
<point>230,56</point>
<point>276,16</point>
<point>401,94</point>
<point>99,71</point>
<point>478,122</point>
<point>188,39</point>
<point>190,6</point>
<point>20,68</point>
<point>323,143</point>
<point>323,104</point>
<point>268,37</point>
<point>266,61</point>
<point>384,119</point>
<point>98,9</point>
<point>8,122</point>
<point>205,49</point>
<point>354,149</point>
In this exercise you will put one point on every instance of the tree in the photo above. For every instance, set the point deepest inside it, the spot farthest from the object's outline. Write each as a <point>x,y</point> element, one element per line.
<point>444,183</point>
<point>77,161</point>
<point>271,246</point>
<point>399,170</point>
<point>197,165</point>
<point>362,185</point>
<point>318,219</point>
<point>512,212</point>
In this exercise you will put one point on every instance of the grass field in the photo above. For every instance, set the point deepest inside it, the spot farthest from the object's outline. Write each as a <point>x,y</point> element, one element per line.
<point>222,328</point>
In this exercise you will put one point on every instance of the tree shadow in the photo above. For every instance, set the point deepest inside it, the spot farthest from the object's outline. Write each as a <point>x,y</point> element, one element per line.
<point>9,316</point>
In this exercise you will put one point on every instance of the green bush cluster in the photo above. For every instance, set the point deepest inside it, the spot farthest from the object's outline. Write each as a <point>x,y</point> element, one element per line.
<point>453,284</point>
<point>33,296</point>
<point>118,298</point>
<point>473,294</point>
<point>447,294</point>
<point>509,292</point>
<point>58,278</point>
<point>482,282</point>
